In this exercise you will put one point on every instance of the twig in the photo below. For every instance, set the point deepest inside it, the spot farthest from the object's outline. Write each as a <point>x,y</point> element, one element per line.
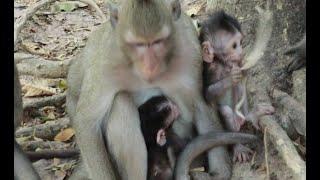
<point>266,152</point>
<point>253,158</point>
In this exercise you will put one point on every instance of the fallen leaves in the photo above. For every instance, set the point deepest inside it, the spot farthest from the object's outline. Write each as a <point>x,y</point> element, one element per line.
<point>36,91</point>
<point>65,135</point>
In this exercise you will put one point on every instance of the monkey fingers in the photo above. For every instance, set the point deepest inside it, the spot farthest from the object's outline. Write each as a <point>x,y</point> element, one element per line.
<point>264,109</point>
<point>241,153</point>
<point>236,74</point>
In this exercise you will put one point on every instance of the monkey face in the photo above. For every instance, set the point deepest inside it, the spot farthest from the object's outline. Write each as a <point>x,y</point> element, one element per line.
<point>227,47</point>
<point>149,54</point>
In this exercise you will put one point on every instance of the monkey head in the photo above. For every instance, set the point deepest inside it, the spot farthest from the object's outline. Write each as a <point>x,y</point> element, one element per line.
<point>221,40</point>
<point>146,34</point>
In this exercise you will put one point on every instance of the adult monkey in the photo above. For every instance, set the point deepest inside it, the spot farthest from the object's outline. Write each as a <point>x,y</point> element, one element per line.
<point>148,50</point>
<point>23,169</point>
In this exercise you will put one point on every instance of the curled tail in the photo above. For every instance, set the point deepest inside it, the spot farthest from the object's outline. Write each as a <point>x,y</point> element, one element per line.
<point>203,143</point>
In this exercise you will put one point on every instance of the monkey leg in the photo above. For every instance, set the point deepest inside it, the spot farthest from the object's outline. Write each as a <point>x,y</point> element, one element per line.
<point>89,137</point>
<point>232,121</point>
<point>80,172</point>
<point>74,80</point>
<point>23,168</point>
<point>206,120</point>
<point>240,152</point>
<point>125,140</point>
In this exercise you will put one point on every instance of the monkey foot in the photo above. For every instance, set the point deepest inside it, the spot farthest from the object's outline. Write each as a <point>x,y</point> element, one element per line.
<point>259,111</point>
<point>241,153</point>
<point>238,122</point>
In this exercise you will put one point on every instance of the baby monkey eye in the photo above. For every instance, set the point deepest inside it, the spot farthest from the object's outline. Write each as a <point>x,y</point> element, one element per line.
<point>234,46</point>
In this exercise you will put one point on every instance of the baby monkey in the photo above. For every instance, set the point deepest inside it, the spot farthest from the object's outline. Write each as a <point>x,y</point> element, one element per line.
<point>221,41</point>
<point>157,116</point>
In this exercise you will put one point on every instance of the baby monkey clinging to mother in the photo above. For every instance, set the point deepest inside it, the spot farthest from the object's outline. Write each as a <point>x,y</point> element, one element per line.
<point>221,40</point>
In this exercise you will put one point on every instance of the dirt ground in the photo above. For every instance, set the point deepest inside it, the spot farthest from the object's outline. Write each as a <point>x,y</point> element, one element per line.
<point>55,36</point>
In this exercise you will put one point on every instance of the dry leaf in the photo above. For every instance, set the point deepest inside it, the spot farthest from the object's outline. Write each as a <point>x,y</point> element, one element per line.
<point>59,175</point>
<point>56,161</point>
<point>65,135</point>
<point>34,48</point>
<point>34,91</point>
<point>198,169</point>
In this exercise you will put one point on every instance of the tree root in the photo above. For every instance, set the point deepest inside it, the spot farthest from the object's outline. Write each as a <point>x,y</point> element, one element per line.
<point>296,111</point>
<point>43,68</point>
<point>29,13</point>
<point>284,146</point>
<point>35,7</point>
<point>44,131</point>
<point>257,85</point>
<point>39,144</point>
<point>55,100</point>
<point>49,154</point>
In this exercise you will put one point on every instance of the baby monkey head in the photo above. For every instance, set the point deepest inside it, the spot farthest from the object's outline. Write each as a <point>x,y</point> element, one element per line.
<point>221,39</point>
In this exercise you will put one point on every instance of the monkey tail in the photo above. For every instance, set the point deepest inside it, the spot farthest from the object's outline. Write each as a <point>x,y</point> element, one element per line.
<point>203,143</point>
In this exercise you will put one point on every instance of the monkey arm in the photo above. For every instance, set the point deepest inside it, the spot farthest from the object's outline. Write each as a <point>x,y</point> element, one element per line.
<point>93,151</point>
<point>125,140</point>
<point>90,111</point>
<point>23,169</point>
<point>207,120</point>
<point>218,88</point>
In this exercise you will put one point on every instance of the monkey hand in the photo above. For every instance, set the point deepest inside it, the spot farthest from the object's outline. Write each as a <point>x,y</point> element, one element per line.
<point>236,74</point>
<point>259,111</point>
<point>299,55</point>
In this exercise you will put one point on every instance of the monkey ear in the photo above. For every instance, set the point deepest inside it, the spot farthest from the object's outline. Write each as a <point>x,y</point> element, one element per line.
<point>176,9</point>
<point>161,137</point>
<point>207,52</point>
<point>113,10</point>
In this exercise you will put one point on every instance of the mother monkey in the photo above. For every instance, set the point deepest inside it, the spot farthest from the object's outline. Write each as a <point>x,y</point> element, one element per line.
<point>150,48</point>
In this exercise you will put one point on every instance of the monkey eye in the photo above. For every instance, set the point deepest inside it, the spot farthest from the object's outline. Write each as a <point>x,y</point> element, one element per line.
<point>234,46</point>
<point>139,44</point>
<point>158,41</point>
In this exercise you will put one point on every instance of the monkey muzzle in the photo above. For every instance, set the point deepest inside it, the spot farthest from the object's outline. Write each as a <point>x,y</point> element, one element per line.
<point>150,66</point>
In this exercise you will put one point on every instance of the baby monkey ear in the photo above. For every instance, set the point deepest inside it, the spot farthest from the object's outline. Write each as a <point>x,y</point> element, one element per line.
<point>207,52</point>
<point>161,137</point>
<point>113,10</point>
